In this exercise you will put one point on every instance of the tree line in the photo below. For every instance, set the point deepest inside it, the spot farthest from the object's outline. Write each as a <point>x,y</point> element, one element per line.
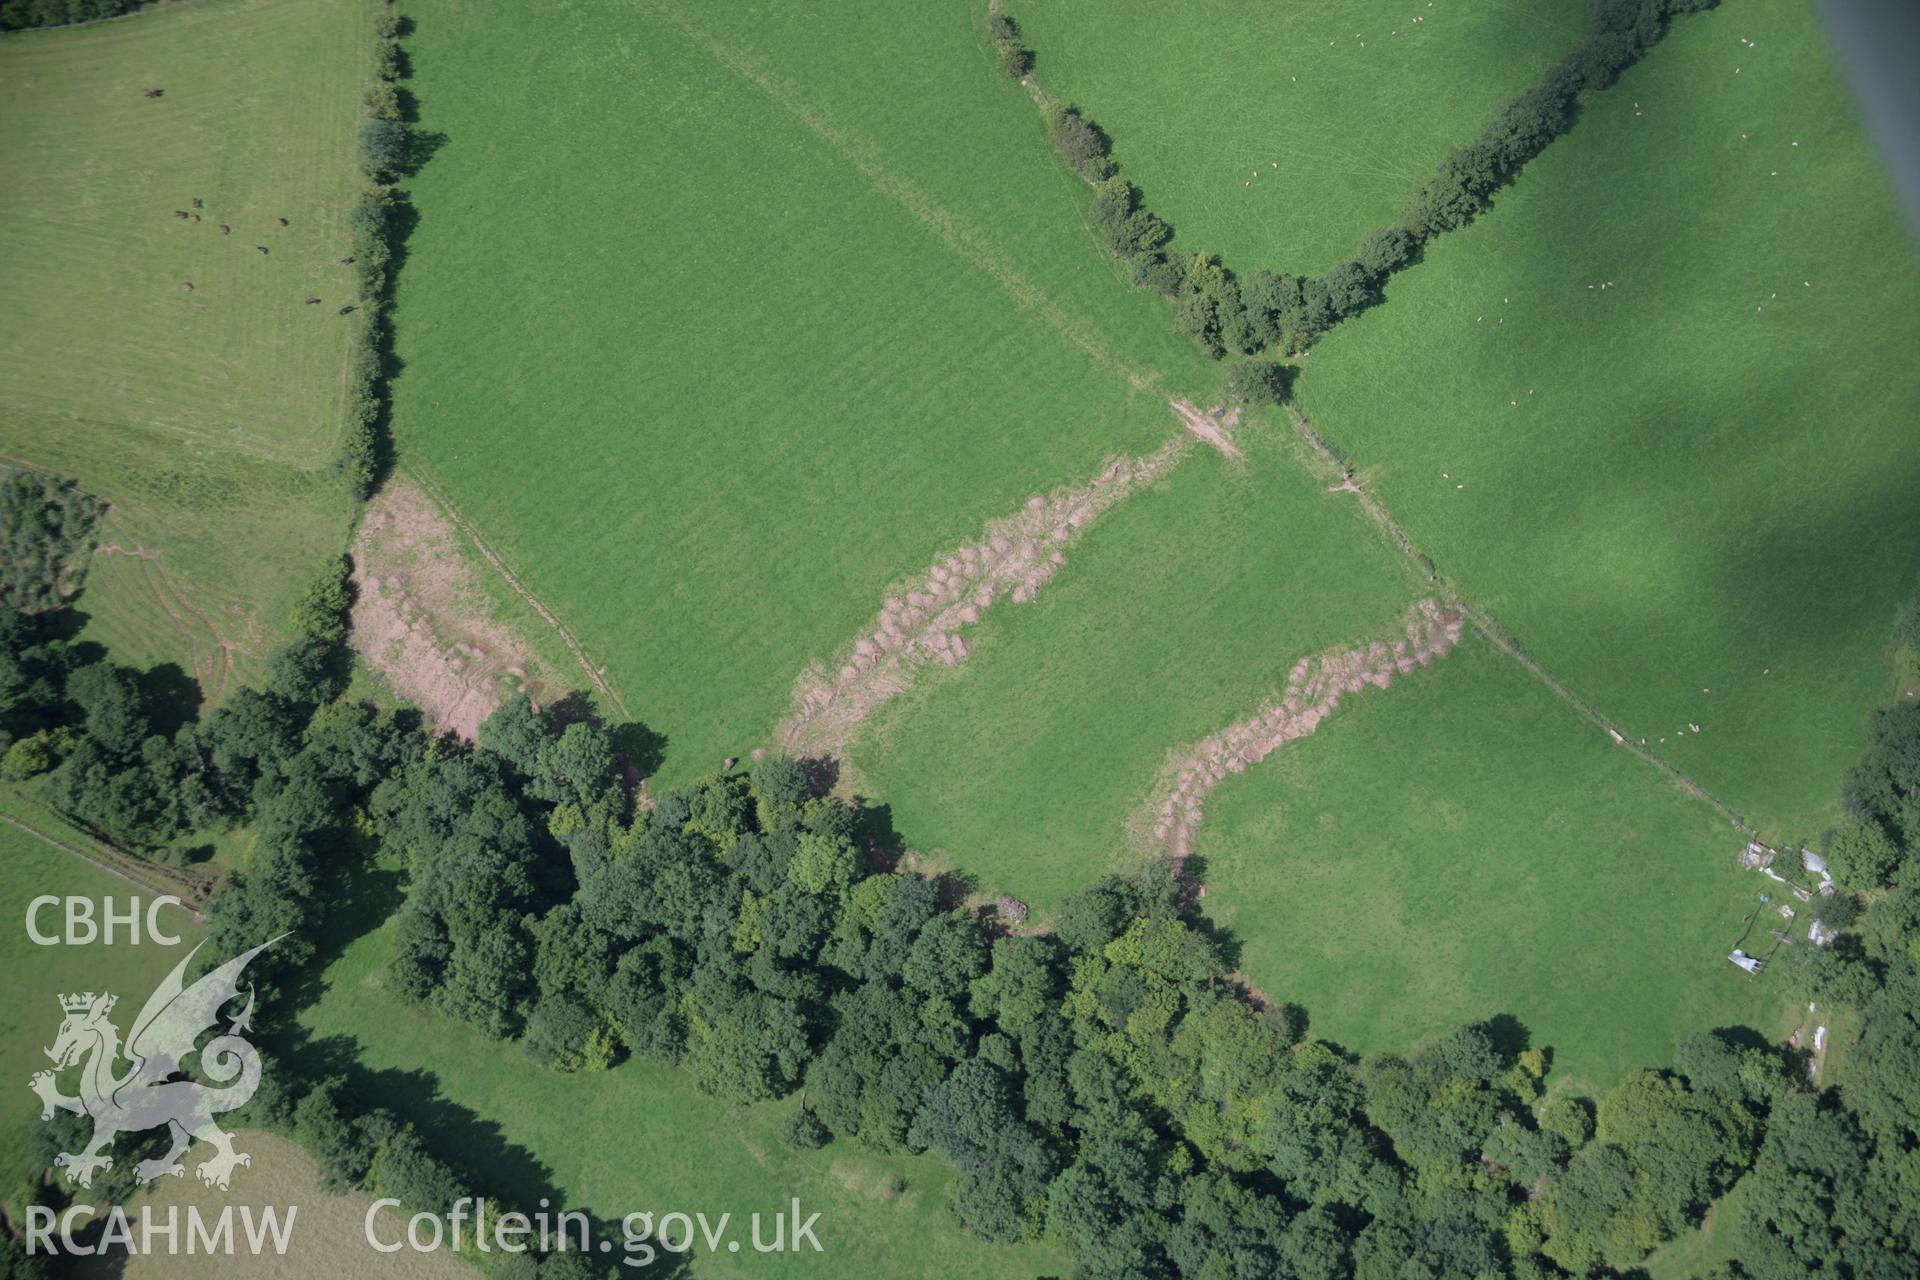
<point>378,224</point>
<point>19,15</point>
<point>1104,1084</point>
<point>1227,314</point>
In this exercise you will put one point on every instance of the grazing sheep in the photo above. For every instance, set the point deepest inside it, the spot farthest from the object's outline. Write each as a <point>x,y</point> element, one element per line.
<point>262,248</point>
<point>197,204</point>
<point>154,93</point>
<point>346,310</point>
<point>312,301</point>
<point>346,262</point>
<point>225,230</point>
<point>187,286</point>
<point>281,221</point>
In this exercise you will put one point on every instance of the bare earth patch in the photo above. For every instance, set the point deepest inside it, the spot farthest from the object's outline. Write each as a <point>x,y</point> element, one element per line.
<point>1209,428</point>
<point>422,621</point>
<point>1314,689</point>
<point>924,622</point>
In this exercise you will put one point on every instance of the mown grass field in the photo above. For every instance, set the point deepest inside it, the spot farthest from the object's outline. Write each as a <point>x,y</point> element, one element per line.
<point>725,411</point>
<point>1460,846</point>
<point>733,408</point>
<point>640,1138</point>
<point>1687,517</point>
<point>37,976</point>
<point>209,419</point>
<point>1341,107</point>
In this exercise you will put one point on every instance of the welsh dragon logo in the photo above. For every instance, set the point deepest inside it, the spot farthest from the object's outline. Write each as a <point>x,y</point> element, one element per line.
<point>148,1092</point>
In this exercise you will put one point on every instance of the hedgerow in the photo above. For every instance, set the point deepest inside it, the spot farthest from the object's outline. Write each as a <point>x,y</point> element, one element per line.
<point>1226,314</point>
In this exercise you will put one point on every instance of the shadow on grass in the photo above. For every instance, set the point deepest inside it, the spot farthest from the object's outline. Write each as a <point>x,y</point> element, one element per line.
<point>483,1159</point>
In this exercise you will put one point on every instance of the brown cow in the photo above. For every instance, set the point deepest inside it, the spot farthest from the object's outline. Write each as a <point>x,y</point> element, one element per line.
<point>312,301</point>
<point>225,230</point>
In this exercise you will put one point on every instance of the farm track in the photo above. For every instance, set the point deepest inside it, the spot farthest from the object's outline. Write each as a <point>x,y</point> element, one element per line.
<point>1325,463</point>
<point>507,575</point>
<point>124,866</point>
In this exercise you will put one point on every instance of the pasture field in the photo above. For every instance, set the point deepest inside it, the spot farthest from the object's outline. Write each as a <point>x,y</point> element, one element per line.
<point>37,976</point>
<point>756,397</point>
<point>1179,611</point>
<point>1342,107</point>
<point>640,1138</point>
<point>209,419</point>
<point>1462,846</point>
<point>1599,411</point>
<point>759,365</point>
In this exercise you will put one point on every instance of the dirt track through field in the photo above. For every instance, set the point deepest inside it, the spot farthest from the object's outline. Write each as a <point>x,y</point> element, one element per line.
<point>1314,689</point>
<point>208,647</point>
<point>923,623</point>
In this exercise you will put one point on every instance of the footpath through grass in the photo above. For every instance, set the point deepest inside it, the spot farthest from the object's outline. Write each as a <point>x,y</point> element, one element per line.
<point>1654,412</point>
<point>209,418</point>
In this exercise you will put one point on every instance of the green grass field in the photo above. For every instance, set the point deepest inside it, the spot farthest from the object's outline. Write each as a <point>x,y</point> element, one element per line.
<point>734,430</point>
<point>37,976</point>
<point>640,1138</point>
<point>1341,107</point>
<point>1686,518</point>
<point>208,419</point>
<point>730,409</point>
<point>1174,617</point>
<point>1460,846</point>
<point>718,324</point>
